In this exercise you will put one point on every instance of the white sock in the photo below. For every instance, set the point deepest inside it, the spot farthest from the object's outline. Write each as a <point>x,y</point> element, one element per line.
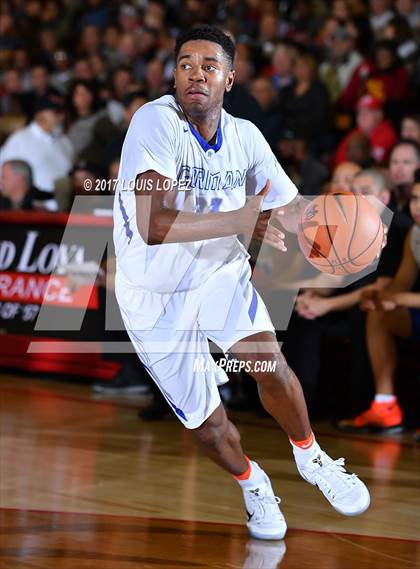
<point>256,477</point>
<point>385,398</point>
<point>304,455</point>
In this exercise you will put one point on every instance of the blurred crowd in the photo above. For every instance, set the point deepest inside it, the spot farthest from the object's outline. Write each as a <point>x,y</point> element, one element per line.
<point>326,82</point>
<point>333,85</point>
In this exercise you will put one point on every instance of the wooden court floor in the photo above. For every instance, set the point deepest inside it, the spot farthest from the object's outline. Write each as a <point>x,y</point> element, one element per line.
<point>85,484</point>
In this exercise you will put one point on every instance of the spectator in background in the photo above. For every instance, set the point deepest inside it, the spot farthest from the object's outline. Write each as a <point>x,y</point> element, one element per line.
<point>239,102</point>
<point>17,191</point>
<point>49,44</point>
<point>306,103</point>
<point>91,194</point>
<point>264,92</point>
<point>394,312</point>
<point>21,65</point>
<point>128,18</point>
<point>282,62</point>
<point>370,122</point>
<point>11,93</point>
<point>84,113</point>
<point>82,70</point>
<point>62,75</point>
<point>129,55</point>
<point>40,90</point>
<point>343,176</point>
<point>341,59</point>
<point>383,77</point>
<point>155,80</point>
<point>49,153</point>
<point>398,32</point>
<point>305,171</point>
<point>108,137</point>
<point>380,15</point>
<point>410,10</point>
<point>389,81</point>
<point>89,41</point>
<point>403,162</point>
<point>110,43</point>
<point>359,150</point>
<point>410,128</point>
<point>96,13</point>
<point>335,312</point>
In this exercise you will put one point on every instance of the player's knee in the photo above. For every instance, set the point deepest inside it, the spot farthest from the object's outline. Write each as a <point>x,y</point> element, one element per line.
<point>278,373</point>
<point>212,432</point>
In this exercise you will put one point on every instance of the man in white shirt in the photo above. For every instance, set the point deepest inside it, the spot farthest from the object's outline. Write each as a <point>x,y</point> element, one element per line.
<point>49,153</point>
<point>183,276</point>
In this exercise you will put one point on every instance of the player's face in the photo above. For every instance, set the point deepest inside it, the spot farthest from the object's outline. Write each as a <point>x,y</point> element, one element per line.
<point>415,203</point>
<point>202,75</point>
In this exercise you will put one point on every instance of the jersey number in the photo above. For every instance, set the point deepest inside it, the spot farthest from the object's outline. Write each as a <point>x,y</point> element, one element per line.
<point>214,205</point>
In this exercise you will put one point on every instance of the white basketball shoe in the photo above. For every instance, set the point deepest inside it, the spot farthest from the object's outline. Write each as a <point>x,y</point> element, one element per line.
<point>343,490</point>
<point>265,520</point>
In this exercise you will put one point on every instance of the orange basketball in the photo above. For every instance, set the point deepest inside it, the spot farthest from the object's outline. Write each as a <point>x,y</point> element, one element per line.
<point>340,233</point>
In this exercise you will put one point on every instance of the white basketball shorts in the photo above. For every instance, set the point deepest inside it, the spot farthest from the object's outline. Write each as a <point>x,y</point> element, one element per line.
<point>170,333</point>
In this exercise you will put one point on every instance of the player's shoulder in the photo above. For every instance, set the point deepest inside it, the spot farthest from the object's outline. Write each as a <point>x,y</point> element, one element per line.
<point>162,111</point>
<point>249,134</point>
<point>242,125</point>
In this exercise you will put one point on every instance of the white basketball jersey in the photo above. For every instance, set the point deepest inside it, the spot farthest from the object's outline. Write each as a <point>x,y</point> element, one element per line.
<point>207,179</point>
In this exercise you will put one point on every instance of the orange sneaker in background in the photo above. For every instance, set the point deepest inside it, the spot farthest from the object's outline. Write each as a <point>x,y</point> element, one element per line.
<point>379,418</point>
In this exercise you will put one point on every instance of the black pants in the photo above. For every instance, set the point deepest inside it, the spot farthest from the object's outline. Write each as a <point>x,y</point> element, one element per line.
<point>330,359</point>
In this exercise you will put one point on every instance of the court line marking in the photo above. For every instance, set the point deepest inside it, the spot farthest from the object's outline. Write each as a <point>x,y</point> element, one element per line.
<point>192,522</point>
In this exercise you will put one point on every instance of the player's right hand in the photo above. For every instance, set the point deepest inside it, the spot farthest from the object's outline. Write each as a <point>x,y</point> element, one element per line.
<point>256,223</point>
<point>250,212</point>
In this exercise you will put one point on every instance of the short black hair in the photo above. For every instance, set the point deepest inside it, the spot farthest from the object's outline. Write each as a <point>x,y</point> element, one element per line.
<point>207,33</point>
<point>407,142</point>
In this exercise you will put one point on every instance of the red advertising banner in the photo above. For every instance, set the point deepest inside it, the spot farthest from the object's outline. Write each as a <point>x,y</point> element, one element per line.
<point>36,251</point>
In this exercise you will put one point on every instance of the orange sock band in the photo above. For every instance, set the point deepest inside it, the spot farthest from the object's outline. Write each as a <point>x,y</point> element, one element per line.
<point>307,443</point>
<point>247,472</point>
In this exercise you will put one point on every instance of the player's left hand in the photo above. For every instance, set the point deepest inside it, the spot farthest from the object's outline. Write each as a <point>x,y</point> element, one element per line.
<point>266,232</point>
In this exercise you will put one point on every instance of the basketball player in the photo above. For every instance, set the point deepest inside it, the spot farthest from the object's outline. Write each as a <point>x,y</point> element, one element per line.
<point>183,276</point>
<point>394,313</point>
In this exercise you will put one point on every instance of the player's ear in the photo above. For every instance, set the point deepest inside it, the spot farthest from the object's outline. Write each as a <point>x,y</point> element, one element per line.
<point>230,80</point>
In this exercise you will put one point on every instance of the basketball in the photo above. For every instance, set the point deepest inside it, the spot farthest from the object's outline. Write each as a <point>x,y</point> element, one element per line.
<point>340,233</point>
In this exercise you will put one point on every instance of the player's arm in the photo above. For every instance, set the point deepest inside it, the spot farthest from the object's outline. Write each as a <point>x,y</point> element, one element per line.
<point>159,222</point>
<point>290,215</point>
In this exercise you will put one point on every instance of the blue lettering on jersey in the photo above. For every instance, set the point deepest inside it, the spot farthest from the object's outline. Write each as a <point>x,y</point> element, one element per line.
<point>128,230</point>
<point>201,179</point>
